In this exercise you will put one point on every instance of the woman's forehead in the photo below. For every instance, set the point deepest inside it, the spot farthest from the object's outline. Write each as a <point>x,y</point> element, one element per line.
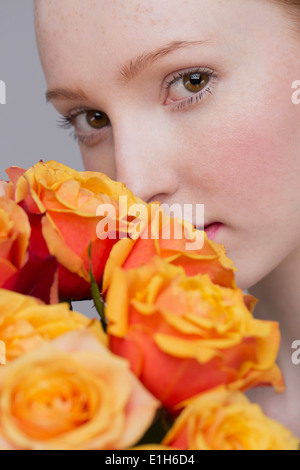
<point>100,15</point>
<point>97,35</point>
<point>102,24</point>
<point>114,21</point>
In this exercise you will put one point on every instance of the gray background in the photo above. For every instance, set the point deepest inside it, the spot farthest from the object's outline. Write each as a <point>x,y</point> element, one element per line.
<point>28,125</point>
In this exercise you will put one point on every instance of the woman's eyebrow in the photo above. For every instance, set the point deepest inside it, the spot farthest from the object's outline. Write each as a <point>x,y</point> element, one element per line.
<point>128,71</point>
<point>140,63</point>
<point>65,94</point>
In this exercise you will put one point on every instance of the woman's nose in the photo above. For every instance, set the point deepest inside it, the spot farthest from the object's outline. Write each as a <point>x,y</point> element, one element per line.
<point>143,162</point>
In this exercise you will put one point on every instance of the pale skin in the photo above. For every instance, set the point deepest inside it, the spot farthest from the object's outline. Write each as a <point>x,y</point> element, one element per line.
<point>236,150</point>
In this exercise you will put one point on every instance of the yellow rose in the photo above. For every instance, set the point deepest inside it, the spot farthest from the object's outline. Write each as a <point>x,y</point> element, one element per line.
<point>172,239</point>
<point>25,322</point>
<point>224,420</point>
<point>69,201</point>
<point>185,335</point>
<point>14,238</point>
<point>72,394</point>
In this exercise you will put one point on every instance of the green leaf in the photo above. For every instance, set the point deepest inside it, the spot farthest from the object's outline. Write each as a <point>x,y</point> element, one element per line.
<point>96,294</point>
<point>159,428</point>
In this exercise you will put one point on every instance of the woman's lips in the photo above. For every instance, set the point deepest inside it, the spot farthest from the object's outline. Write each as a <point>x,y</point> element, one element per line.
<point>211,229</point>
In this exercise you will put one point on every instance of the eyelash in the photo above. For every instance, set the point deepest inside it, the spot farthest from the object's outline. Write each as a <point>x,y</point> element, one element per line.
<point>197,96</point>
<point>67,122</point>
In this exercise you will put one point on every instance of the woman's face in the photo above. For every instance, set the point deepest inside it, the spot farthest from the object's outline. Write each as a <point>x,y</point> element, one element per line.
<point>187,102</point>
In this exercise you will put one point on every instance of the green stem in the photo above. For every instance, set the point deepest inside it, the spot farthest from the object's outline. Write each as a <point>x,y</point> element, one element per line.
<point>96,294</point>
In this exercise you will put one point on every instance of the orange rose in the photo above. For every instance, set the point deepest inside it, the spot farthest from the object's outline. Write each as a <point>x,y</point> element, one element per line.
<point>26,322</point>
<point>14,238</point>
<point>2,353</point>
<point>72,394</point>
<point>3,188</point>
<point>19,265</point>
<point>157,447</point>
<point>224,420</point>
<point>184,335</point>
<point>174,240</point>
<point>69,201</point>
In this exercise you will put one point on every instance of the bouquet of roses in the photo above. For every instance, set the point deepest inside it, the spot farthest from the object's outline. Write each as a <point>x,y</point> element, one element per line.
<point>176,345</point>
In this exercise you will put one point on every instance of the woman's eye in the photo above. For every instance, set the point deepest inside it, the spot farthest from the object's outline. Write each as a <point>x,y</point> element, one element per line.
<point>91,120</point>
<point>189,86</point>
<point>88,125</point>
<point>195,82</point>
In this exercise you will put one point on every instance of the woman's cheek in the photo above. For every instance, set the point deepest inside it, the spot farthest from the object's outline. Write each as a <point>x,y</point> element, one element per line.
<point>245,161</point>
<point>100,158</point>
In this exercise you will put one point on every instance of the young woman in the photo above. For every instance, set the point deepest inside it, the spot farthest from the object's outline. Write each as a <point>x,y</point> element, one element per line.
<point>191,101</point>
